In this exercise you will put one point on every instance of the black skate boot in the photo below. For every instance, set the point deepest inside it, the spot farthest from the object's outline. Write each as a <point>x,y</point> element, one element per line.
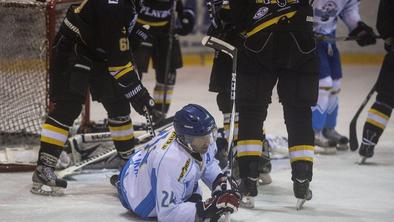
<point>366,151</point>
<point>45,182</point>
<point>114,180</point>
<point>264,170</point>
<point>324,145</point>
<point>301,192</point>
<point>248,189</point>
<point>341,141</point>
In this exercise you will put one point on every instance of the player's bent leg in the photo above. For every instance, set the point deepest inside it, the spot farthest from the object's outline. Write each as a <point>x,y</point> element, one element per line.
<point>301,149</point>
<point>319,115</point>
<point>53,137</point>
<point>249,150</point>
<point>378,117</point>
<point>329,130</point>
<point>121,127</point>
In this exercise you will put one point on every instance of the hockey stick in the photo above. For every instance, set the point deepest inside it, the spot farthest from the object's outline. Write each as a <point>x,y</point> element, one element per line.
<point>230,50</point>
<point>353,141</point>
<point>142,140</point>
<point>169,55</point>
<point>339,38</point>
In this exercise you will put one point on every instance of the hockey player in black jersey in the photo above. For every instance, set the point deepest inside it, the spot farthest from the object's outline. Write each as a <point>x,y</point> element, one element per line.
<point>157,31</point>
<point>277,47</point>
<point>90,51</point>
<point>380,112</point>
<point>220,80</point>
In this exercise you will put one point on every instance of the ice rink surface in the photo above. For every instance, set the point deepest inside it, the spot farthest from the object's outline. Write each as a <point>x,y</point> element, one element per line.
<point>342,190</point>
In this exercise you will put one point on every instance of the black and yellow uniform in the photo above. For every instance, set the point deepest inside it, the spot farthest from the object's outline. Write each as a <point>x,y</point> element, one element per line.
<point>277,46</point>
<point>155,18</point>
<point>380,112</point>
<point>91,51</point>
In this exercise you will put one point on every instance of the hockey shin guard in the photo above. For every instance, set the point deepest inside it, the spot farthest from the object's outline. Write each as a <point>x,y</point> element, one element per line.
<point>122,134</point>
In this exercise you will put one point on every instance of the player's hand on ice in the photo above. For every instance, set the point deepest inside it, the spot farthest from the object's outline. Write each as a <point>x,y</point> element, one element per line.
<point>226,201</point>
<point>363,34</point>
<point>139,97</point>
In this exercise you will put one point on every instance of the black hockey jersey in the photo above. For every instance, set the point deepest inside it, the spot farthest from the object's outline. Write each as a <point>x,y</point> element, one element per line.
<point>102,28</point>
<point>155,13</point>
<point>385,22</point>
<point>252,16</point>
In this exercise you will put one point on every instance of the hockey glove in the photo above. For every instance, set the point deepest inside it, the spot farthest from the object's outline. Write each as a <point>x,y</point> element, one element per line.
<point>363,34</point>
<point>187,20</point>
<point>219,185</point>
<point>214,207</point>
<point>140,34</point>
<point>139,97</point>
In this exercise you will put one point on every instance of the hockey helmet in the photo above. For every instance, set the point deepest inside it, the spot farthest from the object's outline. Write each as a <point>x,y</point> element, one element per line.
<point>195,127</point>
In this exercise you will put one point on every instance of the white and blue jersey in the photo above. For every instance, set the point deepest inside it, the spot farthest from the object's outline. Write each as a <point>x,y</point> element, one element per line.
<point>326,13</point>
<point>158,180</point>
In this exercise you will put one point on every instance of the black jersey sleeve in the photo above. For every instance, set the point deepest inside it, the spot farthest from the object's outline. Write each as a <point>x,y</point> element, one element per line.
<point>385,21</point>
<point>114,20</point>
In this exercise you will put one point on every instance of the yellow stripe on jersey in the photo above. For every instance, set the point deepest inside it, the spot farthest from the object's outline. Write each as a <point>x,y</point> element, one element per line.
<point>122,138</point>
<point>154,24</point>
<point>118,68</point>
<point>249,153</point>
<point>269,23</point>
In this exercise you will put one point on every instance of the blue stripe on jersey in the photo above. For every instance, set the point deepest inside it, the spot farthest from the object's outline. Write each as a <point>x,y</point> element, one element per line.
<point>148,204</point>
<point>121,190</point>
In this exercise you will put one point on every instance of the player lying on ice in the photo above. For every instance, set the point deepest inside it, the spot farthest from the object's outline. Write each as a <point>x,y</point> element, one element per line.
<point>162,179</point>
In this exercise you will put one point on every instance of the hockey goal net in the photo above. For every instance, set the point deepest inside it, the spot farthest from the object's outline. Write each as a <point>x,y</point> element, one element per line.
<point>27,28</point>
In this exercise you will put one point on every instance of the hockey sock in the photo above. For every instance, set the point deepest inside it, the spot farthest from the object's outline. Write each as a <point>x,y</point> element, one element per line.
<point>319,112</point>
<point>158,96</point>
<point>122,134</point>
<point>378,117</point>
<point>226,125</point>
<point>53,137</point>
<point>333,104</point>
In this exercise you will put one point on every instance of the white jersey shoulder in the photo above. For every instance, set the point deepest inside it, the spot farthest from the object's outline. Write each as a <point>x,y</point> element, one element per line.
<point>326,13</point>
<point>160,179</point>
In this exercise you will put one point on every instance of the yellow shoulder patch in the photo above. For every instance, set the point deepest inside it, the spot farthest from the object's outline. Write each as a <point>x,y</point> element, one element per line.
<point>169,140</point>
<point>184,169</point>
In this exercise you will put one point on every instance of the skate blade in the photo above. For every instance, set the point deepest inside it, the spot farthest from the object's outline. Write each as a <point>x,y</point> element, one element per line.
<point>362,160</point>
<point>300,203</point>
<point>42,189</point>
<point>247,202</point>
<point>264,179</point>
<point>343,147</point>
<point>325,150</point>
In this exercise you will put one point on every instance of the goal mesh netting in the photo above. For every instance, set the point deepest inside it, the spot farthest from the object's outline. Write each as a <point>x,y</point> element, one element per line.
<point>27,28</point>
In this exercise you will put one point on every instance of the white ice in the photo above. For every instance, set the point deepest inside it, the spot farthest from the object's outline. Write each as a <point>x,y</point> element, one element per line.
<point>342,190</point>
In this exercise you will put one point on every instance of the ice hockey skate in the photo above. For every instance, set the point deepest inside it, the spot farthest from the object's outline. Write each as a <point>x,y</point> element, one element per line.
<point>324,145</point>
<point>248,189</point>
<point>341,141</point>
<point>301,192</point>
<point>264,170</point>
<point>45,182</point>
<point>366,150</point>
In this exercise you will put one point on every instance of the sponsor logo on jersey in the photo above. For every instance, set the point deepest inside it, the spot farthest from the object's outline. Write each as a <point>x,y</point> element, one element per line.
<point>184,169</point>
<point>148,11</point>
<point>169,141</point>
<point>260,13</point>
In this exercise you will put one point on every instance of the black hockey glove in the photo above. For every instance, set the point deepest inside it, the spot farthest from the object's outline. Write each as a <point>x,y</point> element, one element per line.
<point>140,34</point>
<point>363,34</point>
<point>187,20</point>
<point>219,185</point>
<point>139,97</point>
<point>214,207</point>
